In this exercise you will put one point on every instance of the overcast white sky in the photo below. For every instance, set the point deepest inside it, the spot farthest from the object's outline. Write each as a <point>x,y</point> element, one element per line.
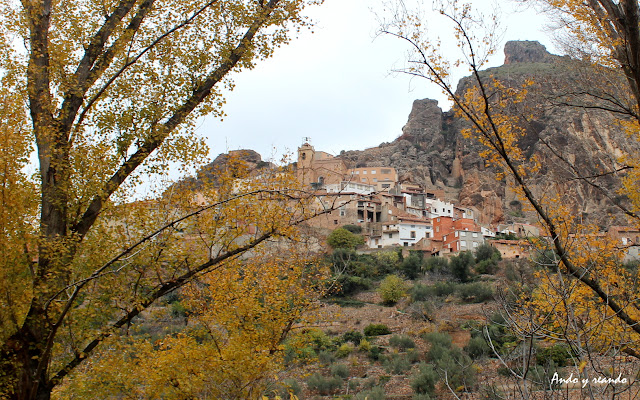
<point>335,85</point>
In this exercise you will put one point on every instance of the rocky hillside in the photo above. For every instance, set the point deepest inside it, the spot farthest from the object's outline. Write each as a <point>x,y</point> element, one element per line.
<point>431,151</point>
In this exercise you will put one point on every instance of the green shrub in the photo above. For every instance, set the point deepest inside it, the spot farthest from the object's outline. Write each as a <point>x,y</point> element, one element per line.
<point>386,262</point>
<point>344,350</point>
<point>422,310</point>
<point>442,289</point>
<point>323,385</point>
<point>375,393</point>
<point>287,387</point>
<point>461,265</point>
<point>397,364</point>
<point>364,345</point>
<point>319,340</point>
<point>487,267</point>
<point>486,252</point>
<point>413,356</point>
<point>341,238</point>
<point>477,348</point>
<point>376,330</point>
<point>352,336</point>
<point>424,380</point>
<point>412,266</point>
<point>476,292</point>
<point>375,352</point>
<point>438,338</point>
<point>391,289</point>
<point>357,229</point>
<point>559,354</point>
<point>420,292</point>
<point>436,264</point>
<point>340,371</point>
<point>326,357</point>
<point>401,342</point>
<point>178,310</point>
<point>347,285</point>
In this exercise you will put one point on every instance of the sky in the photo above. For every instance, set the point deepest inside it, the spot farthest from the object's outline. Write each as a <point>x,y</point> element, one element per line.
<point>336,85</point>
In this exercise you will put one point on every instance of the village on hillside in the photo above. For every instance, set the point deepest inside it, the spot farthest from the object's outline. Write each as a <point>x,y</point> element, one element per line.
<point>392,213</point>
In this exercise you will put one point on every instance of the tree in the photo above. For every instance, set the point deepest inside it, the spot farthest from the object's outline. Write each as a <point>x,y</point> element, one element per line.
<point>341,238</point>
<point>591,301</point>
<point>109,93</point>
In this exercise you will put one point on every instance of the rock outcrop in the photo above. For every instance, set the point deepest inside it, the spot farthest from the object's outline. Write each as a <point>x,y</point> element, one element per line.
<point>431,150</point>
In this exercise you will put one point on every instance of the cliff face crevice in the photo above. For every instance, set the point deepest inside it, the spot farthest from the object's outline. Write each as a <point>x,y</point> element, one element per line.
<point>567,135</point>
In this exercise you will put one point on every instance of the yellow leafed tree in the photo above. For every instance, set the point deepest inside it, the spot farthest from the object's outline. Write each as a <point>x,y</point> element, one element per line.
<point>587,298</point>
<point>107,93</point>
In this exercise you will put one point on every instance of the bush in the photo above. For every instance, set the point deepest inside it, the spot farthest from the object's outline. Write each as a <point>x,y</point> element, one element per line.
<point>457,366</point>
<point>347,285</point>
<point>344,350</point>
<point>477,348</point>
<point>341,238</point>
<point>424,381</point>
<point>487,267</point>
<point>340,371</point>
<point>397,364</point>
<point>357,229</point>
<point>326,357</point>
<point>352,336</point>
<point>364,345</point>
<point>437,264</point>
<point>375,352</point>
<point>412,266</point>
<point>438,338</point>
<point>375,393</point>
<point>486,252</point>
<point>386,262</point>
<point>288,387</point>
<point>442,289</point>
<point>460,266</point>
<point>476,292</point>
<point>376,330</point>
<point>391,289</point>
<point>420,292</point>
<point>559,354</point>
<point>323,385</point>
<point>401,342</point>
<point>422,310</point>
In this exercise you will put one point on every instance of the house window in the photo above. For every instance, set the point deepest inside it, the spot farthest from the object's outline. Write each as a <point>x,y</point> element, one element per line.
<point>455,234</point>
<point>405,244</point>
<point>375,179</point>
<point>357,172</point>
<point>364,172</point>
<point>304,156</point>
<point>386,186</point>
<point>364,179</point>
<point>463,243</point>
<point>385,171</point>
<point>343,212</point>
<point>463,234</point>
<point>391,236</point>
<point>437,229</point>
<point>335,222</point>
<point>428,235</point>
<point>474,234</point>
<point>475,244</point>
<point>373,171</point>
<point>413,234</point>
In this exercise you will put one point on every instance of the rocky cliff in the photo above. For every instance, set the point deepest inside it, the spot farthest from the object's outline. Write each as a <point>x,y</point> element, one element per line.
<point>432,152</point>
